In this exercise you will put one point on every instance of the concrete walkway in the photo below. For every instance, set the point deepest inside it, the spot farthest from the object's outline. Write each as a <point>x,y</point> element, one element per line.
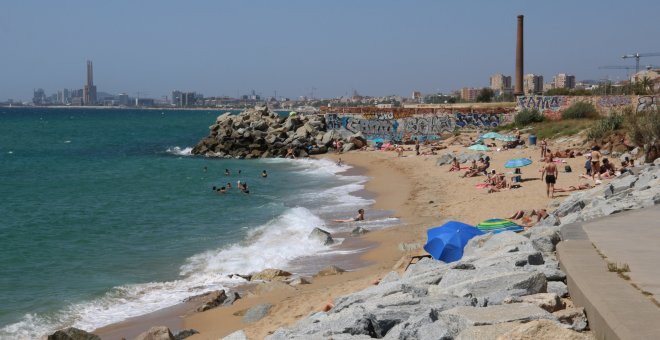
<point>616,309</point>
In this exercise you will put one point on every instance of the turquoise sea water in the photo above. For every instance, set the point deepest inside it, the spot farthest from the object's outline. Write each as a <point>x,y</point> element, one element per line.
<point>105,215</point>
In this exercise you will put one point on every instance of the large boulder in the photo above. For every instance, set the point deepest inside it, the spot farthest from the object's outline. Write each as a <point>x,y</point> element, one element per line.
<point>330,270</point>
<point>156,333</point>
<point>256,313</point>
<point>490,315</point>
<point>574,317</point>
<point>270,274</point>
<point>208,300</point>
<point>186,333</point>
<point>238,335</point>
<point>73,333</point>
<point>321,236</point>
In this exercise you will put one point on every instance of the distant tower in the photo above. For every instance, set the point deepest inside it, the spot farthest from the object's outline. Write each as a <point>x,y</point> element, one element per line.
<point>89,90</point>
<point>518,89</point>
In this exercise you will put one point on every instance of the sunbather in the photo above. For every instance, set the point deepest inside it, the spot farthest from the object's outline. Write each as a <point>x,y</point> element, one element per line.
<point>575,188</point>
<point>455,165</point>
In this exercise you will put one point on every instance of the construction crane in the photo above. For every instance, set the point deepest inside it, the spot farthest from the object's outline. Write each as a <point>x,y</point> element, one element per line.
<point>640,55</point>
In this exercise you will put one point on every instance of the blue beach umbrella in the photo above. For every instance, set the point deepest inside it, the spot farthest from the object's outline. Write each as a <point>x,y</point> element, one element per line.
<point>490,135</point>
<point>446,242</point>
<point>479,147</point>
<point>517,162</point>
<point>504,138</point>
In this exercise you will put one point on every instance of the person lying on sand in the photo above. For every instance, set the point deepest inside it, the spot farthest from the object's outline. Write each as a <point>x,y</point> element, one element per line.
<point>500,184</point>
<point>522,213</point>
<point>574,188</point>
<point>359,217</point>
<point>455,165</point>
<point>328,306</point>
<point>475,169</point>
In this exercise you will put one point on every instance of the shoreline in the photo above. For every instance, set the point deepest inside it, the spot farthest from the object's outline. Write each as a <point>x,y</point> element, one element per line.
<point>421,195</point>
<point>175,317</point>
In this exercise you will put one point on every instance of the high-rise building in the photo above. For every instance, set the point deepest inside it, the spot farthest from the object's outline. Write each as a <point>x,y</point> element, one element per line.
<point>500,83</point>
<point>532,84</point>
<point>564,81</point>
<point>39,97</point>
<point>469,94</point>
<point>89,90</point>
<point>123,99</point>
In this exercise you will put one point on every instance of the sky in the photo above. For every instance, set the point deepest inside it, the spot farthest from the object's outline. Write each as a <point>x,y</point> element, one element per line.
<point>300,47</point>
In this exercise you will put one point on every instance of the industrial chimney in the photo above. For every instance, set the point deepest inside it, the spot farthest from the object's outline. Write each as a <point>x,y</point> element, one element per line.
<point>518,88</point>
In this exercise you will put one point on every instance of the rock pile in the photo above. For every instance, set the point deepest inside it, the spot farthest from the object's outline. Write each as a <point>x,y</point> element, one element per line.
<point>261,133</point>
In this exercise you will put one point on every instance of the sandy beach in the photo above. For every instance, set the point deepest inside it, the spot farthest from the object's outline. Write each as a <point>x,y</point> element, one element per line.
<point>422,195</point>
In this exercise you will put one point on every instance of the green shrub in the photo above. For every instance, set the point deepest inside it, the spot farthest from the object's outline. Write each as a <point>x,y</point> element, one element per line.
<point>644,130</point>
<point>580,110</point>
<point>527,116</point>
<point>602,127</point>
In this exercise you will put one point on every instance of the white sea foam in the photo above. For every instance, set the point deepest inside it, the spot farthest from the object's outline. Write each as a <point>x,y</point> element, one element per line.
<point>272,245</point>
<point>175,150</point>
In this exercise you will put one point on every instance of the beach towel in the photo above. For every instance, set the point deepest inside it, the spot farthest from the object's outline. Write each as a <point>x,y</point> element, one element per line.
<point>498,225</point>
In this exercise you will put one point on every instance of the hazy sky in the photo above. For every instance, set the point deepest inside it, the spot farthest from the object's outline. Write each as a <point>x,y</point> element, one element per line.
<point>377,47</point>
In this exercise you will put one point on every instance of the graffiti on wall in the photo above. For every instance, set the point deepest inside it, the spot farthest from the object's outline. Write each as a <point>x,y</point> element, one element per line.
<point>613,101</point>
<point>646,103</point>
<point>427,126</point>
<point>549,106</point>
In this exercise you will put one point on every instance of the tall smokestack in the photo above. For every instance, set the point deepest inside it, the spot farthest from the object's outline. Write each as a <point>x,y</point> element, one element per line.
<point>518,88</point>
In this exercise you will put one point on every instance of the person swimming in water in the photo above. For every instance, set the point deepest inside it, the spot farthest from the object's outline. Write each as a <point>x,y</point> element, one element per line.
<point>359,217</point>
<point>228,185</point>
<point>264,174</point>
<point>227,173</point>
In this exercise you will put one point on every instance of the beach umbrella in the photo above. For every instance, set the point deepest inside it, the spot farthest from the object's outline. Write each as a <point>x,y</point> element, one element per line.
<point>446,242</point>
<point>517,162</point>
<point>498,225</point>
<point>504,138</point>
<point>479,147</point>
<point>490,135</point>
<point>293,113</point>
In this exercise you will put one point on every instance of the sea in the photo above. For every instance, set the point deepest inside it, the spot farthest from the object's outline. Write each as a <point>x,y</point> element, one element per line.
<point>105,215</point>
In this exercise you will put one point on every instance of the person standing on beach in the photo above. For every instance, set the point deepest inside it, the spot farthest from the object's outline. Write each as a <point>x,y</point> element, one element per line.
<point>544,148</point>
<point>417,146</point>
<point>595,161</point>
<point>551,173</point>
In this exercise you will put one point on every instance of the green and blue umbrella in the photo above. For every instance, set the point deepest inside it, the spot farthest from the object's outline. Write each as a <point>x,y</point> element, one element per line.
<point>498,225</point>
<point>504,138</point>
<point>446,242</point>
<point>517,162</point>
<point>479,147</point>
<point>490,135</point>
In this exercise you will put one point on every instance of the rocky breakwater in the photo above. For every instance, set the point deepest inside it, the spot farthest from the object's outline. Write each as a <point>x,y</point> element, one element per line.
<point>261,133</point>
<point>506,286</point>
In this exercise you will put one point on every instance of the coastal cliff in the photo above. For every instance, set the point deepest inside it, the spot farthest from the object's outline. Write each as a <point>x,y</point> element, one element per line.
<point>261,133</point>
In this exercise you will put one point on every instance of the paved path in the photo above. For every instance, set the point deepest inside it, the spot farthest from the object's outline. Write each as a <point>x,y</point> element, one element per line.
<point>616,310</point>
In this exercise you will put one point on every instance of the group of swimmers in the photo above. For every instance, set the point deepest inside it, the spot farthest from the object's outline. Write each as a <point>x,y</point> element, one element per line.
<point>242,186</point>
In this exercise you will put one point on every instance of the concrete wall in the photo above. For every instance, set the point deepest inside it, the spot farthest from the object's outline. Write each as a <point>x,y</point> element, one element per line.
<point>553,106</point>
<point>430,121</point>
<point>427,123</point>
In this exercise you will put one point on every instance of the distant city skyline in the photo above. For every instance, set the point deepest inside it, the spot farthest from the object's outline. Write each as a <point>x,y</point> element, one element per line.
<point>298,48</point>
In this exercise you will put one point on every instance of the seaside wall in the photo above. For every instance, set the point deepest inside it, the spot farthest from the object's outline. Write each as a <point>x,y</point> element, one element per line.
<point>423,123</point>
<point>553,106</point>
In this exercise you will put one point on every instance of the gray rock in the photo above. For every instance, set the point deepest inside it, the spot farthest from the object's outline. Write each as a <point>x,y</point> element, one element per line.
<point>73,333</point>
<point>491,315</point>
<point>425,272</point>
<point>231,298</point>
<point>550,221</point>
<point>322,236</point>
<point>492,283</point>
<point>357,231</point>
<point>550,270</point>
<point>545,239</point>
<point>574,317</point>
<point>500,242</point>
<point>644,180</point>
<point>571,205</point>
<point>238,335</point>
<point>548,301</point>
<point>330,270</point>
<point>348,147</point>
<point>185,333</point>
<point>390,277</point>
<point>156,333</point>
<point>558,287</point>
<point>445,159</point>
<point>299,281</point>
<point>256,313</point>
<point>623,183</point>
